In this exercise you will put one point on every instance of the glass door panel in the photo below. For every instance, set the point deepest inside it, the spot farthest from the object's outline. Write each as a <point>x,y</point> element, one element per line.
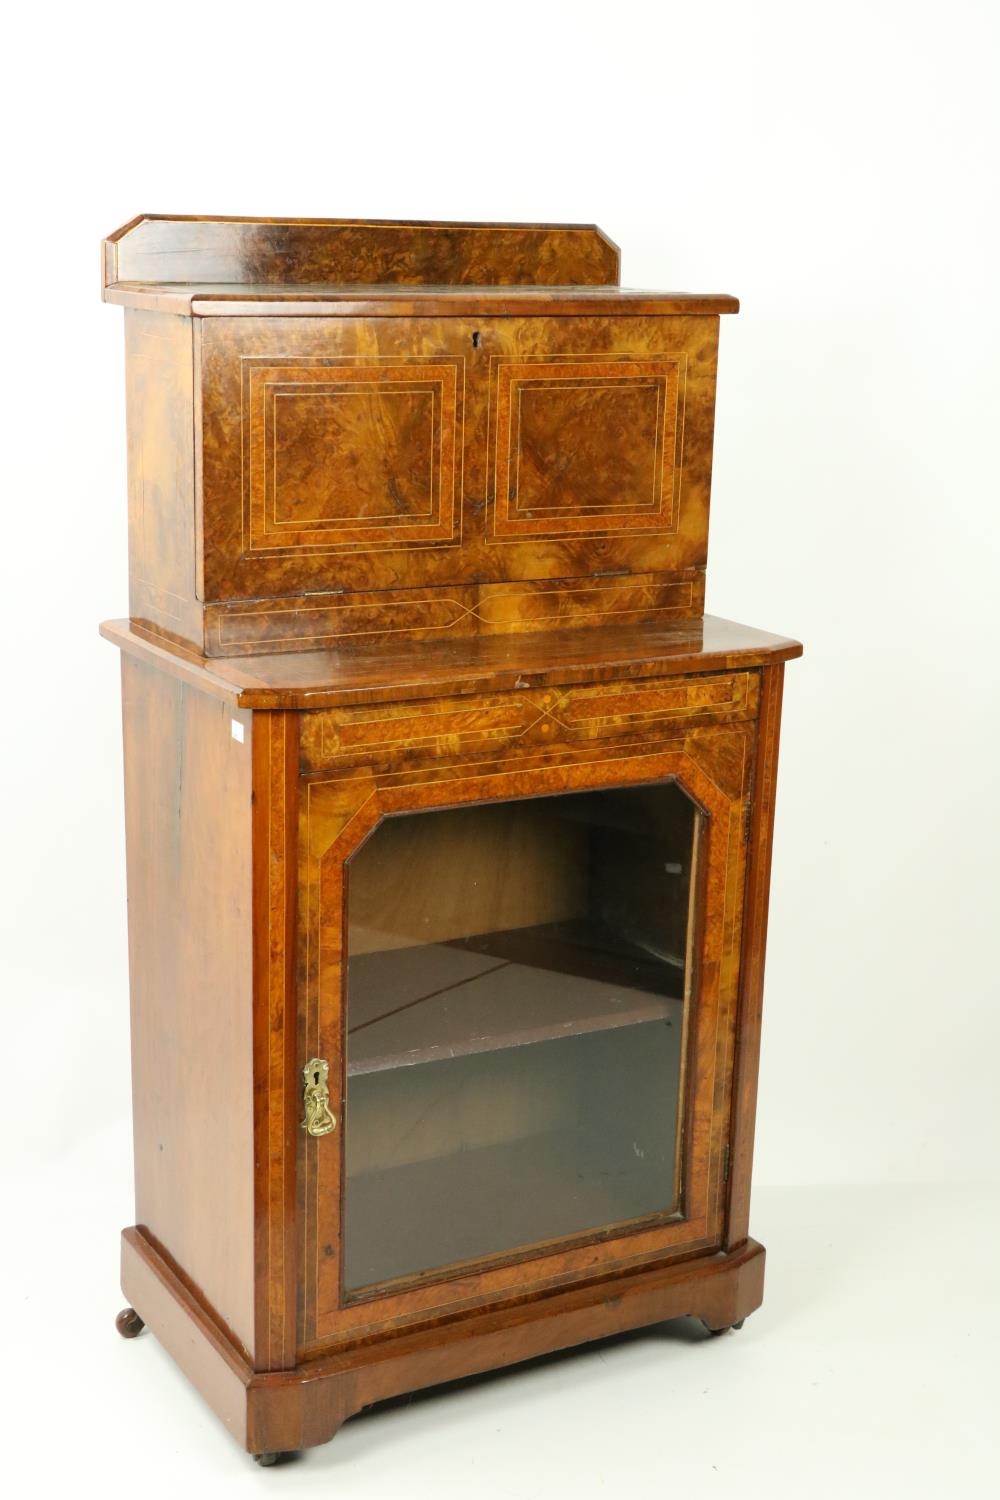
<point>518,982</point>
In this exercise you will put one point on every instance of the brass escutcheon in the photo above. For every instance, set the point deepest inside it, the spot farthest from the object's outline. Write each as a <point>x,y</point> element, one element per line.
<point>316,1098</point>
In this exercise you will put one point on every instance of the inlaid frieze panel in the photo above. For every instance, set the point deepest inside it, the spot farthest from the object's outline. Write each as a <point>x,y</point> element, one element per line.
<point>315,620</point>
<point>524,721</point>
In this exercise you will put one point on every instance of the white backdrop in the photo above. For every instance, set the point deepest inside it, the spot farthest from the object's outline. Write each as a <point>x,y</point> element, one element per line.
<point>836,167</point>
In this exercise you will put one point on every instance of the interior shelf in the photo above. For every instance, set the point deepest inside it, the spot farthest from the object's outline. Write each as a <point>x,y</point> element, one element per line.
<point>502,990</point>
<point>554,1184</point>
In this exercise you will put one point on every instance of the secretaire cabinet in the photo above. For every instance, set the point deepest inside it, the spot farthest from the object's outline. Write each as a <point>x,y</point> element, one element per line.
<point>448,811</point>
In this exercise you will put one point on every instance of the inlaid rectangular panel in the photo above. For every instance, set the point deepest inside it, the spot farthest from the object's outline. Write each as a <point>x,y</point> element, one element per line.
<point>585,446</point>
<point>345,456</point>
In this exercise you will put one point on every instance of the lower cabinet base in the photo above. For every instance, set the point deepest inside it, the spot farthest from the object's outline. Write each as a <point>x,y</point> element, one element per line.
<point>286,1410</point>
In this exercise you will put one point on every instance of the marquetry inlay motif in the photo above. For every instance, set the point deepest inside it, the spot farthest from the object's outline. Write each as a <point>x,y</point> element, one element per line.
<point>504,720</point>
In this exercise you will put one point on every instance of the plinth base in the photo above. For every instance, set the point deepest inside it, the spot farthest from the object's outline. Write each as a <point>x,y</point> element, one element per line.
<point>281,1411</point>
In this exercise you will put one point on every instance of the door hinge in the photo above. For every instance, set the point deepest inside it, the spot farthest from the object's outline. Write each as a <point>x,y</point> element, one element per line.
<point>725,1163</point>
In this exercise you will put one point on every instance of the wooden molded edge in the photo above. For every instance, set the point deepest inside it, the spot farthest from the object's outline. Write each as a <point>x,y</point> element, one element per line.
<point>547,302</point>
<point>349,223</point>
<point>418,302</point>
<point>171,657</point>
<point>191,667</point>
<point>109,245</point>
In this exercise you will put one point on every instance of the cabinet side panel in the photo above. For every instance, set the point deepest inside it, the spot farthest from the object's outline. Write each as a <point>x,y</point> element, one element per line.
<point>160,417</point>
<point>188,833</point>
<point>752,964</point>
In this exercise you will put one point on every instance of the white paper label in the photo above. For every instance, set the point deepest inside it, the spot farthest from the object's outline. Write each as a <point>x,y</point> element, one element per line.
<point>237,730</point>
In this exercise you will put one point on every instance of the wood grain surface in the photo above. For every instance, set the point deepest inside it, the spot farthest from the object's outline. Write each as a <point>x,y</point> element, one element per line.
<point>234,251</point>
<point>343,454</point>
<point>344,431</point>
<point>225,300</point>
<point>187,824</point>
<point>284,1411</point>
<point>418,524</point>
<point>754,947</point>
<point>339,810</point>
<point>466,665</point>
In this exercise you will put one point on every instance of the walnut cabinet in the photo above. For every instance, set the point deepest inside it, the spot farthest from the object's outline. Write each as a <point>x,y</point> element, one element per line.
<point>448,811</point>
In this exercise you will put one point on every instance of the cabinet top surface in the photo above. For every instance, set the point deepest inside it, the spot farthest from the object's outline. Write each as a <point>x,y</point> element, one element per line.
<point>477,664</point>
<point>337,267</point>
<point>227,300</point>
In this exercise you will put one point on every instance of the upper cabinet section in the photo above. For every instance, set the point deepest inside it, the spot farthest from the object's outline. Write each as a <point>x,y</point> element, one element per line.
<point>365,454</point>
<point>335,431</point>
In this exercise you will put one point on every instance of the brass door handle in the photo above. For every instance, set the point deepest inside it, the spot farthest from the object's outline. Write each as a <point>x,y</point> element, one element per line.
<point>316,1098</point>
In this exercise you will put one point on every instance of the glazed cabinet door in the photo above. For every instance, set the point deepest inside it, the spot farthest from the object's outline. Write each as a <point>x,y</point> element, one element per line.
<point>519,951</point>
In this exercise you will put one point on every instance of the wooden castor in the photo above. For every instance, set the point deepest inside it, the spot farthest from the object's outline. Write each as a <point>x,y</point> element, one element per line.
<point>129,1323</point>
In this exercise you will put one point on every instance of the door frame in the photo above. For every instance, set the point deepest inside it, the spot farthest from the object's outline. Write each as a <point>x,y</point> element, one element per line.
<point>338,811</point>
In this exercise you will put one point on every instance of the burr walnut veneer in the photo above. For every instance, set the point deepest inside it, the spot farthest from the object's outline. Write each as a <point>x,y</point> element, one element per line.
<point>448,810</point>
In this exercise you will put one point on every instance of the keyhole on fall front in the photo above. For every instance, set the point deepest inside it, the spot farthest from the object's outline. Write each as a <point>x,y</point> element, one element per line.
<point>475,339</point>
